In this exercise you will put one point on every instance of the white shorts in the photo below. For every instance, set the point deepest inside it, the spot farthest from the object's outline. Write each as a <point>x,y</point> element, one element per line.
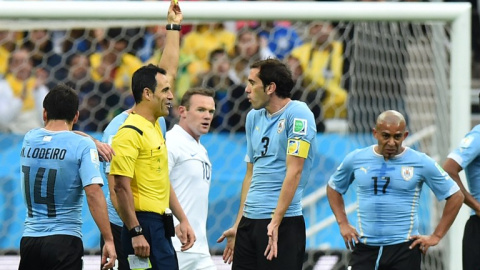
<point>195,261</point>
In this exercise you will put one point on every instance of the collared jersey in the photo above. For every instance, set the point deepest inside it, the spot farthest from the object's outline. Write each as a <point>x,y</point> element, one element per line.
<point>190,175</point>
<point>107,137</point>
<point>270,138</point>
<point>467,155</point>
<point>141,154</point>
<point>388,191</point>
<point>55,167</point>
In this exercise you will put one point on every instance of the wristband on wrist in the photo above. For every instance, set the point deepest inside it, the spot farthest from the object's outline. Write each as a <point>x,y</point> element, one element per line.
<point>172,26</point>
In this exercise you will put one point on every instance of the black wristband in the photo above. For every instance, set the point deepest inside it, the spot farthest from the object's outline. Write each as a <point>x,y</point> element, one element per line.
<point>136,231</point>
<point>176,27</point>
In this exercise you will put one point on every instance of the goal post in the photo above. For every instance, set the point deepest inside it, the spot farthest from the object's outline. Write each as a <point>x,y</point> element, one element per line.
<point>21,15</point>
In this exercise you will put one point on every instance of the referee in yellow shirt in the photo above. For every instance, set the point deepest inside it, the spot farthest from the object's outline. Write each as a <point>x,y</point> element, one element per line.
<point>140,169</point>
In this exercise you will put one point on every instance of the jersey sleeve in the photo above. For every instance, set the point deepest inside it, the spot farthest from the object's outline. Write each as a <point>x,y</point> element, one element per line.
<point>126,145</point>
<point>89,169</point>
<point>344,175</point>
<point>468,150</point>
<point>438,180</point>
<point>248,134</point>
<point>301,130</point>
<point>108,138</point>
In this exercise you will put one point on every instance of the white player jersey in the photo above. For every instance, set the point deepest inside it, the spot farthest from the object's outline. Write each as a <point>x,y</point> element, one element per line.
<point>190,175</point>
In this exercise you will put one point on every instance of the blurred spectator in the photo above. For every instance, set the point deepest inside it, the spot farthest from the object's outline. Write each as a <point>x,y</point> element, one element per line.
<point>200,42</point>
<point>114,65</point>
<point>7,45</point>
<point>40,44</point>
<point>321,61</point>
<point>99,102</point>
<point>22,94</point>
<point>249,48</point>
<point>230,99</point>
<point>311,98</point>
<point>148,43</point>
<point>79,41</point>
<point>281,37</point>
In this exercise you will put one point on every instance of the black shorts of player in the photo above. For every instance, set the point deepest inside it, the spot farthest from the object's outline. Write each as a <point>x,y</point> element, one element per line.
<point>391,257</point>
<point>122,262</point>
<point>56,252</point>
<point>252,239</point>
<point>471,238</point>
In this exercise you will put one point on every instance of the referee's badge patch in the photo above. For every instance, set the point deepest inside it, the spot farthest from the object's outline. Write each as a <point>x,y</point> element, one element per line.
<point>407,173</point>
<point>281,125</point>
<point>300,126</point>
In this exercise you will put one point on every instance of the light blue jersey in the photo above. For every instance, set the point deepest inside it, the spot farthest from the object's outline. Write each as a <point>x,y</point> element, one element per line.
<point>388,191</point>
<point>108,135</point>
<point>270,138</point>
<point>55,167</point>
<point>467,155</point>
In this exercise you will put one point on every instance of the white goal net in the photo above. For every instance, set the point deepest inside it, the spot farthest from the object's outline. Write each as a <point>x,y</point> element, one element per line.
<point>350,62</point>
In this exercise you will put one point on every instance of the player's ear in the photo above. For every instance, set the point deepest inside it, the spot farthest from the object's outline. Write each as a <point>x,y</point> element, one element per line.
<point>271,88</point>
<point>147,93</point>
<point>182,110</point>
<point>75,119</point>
<point>44,115</point>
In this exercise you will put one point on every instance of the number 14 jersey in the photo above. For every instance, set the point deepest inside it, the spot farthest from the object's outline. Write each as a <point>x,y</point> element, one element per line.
<point>55,167</point>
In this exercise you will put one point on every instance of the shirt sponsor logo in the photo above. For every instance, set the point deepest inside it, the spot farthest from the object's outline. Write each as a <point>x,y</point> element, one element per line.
<point>407,173</point>
<point>300,126</point>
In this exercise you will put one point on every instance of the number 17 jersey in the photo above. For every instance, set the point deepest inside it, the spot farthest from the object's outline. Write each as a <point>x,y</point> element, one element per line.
<point>55,167</point>
<point>388,191</point>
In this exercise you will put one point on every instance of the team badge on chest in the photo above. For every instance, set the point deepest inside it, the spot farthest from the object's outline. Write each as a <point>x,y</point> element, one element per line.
<point>281,125</point>
<point>407,173</point>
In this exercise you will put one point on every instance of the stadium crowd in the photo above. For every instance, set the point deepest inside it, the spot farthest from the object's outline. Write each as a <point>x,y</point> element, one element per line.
<point>98,63</point>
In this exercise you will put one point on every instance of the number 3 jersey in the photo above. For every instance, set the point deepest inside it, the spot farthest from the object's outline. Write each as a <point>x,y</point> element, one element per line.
<point>388,191</point>
<point>270,138</point>
<point>55,167</point>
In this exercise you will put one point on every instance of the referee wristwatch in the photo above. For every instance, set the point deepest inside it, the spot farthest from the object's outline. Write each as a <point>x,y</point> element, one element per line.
<point>136,231</point>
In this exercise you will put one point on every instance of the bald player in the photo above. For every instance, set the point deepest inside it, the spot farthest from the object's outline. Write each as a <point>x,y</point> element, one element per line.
<point>389,178</point>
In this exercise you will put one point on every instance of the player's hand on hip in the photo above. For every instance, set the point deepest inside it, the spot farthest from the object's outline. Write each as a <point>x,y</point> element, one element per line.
<point>424,242</point>
<point>229,248</point>
<point>110,254</point>
<point>140,246</point>
<point>271,251</point>
<point>350,235</point>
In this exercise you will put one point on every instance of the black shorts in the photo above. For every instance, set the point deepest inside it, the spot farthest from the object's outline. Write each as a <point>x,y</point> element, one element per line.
<point>392,257</point>
<point>122,262</point>
<point>471,238</point>
<point>56,252</point>
<point>252,239</point>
